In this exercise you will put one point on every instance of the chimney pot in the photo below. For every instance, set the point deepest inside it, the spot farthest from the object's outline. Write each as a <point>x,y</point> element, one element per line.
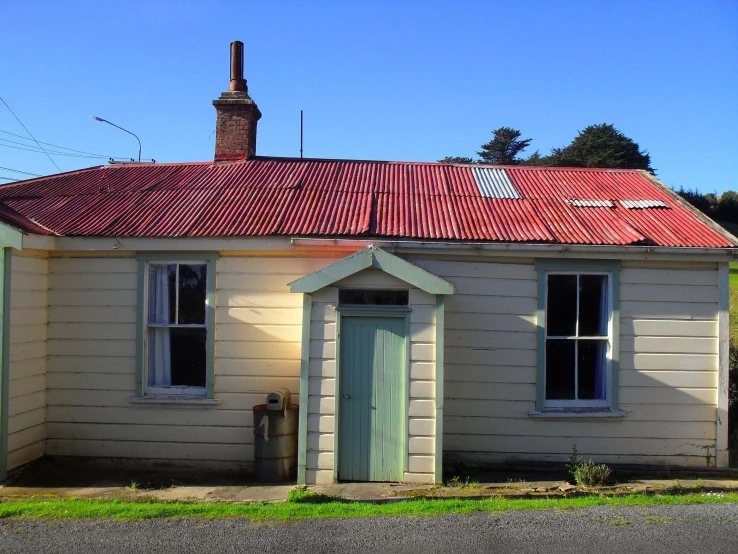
<point>238,83</point>
<point>237,115</point>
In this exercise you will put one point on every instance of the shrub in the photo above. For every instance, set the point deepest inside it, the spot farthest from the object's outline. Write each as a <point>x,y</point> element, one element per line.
<point>590,474</point>
<point>587,473</point>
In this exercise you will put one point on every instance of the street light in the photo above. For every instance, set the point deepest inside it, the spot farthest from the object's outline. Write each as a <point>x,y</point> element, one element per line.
<point>122,129</point>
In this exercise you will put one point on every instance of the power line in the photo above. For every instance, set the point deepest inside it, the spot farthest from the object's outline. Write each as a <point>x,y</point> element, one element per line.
<point>30,135</point>
<point>23,172</point>
<point>54,145</point>
<point>55,153</point>
<point>23,144</point>
<point>8,178</point>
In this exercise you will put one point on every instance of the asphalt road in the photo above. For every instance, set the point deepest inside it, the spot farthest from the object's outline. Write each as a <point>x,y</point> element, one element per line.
<point>656,530</point>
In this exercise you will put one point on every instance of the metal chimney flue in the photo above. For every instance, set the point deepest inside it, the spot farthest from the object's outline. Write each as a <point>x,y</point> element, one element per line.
<point>238,83</point>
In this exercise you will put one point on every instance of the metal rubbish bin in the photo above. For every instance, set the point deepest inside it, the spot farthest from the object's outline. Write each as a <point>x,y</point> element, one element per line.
<point>275,443</point>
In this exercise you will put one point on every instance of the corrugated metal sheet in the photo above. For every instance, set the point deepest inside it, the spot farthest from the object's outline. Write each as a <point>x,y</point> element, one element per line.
<point>494,183</point>
<point>342,198</point>
<point>642,204</point>
<point>590,203</point>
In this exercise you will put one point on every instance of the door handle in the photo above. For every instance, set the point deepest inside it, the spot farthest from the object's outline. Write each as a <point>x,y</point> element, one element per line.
<point>347,396</point>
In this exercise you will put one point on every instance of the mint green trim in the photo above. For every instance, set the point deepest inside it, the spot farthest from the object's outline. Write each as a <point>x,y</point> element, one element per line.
<point>541,341</point>
<point>5,273</point>
<point>372,257</point>
<point>548,265</point>
<point>210,322</point>
<point>177,256</point>
<point>140,299</point>
<point>578,265</point>
<point>211,259</point>
<point>307,304</point>
<point>336,397</point>
<point>615,354</point>
<point>440,334</point>
<point>374,311</point>
<point>404,420</point>
<point>10,236</point>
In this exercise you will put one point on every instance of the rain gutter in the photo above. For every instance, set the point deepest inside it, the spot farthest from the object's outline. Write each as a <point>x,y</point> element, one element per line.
<point>515,247</point>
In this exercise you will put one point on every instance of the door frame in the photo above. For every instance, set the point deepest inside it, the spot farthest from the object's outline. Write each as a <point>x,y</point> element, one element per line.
<point>402,312</point>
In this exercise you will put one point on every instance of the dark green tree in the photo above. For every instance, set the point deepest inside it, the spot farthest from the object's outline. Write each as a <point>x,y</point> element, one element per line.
<point>457,160</point>
<point>535,159</point>
<point>602,146</point>
<point>504,147</point>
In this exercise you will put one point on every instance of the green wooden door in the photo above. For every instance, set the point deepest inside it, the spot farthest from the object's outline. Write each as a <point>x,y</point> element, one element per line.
<point>371,414</point>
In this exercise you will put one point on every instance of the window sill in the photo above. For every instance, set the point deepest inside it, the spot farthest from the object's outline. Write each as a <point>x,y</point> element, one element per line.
<point>577,413</point>
<point>174,399</point>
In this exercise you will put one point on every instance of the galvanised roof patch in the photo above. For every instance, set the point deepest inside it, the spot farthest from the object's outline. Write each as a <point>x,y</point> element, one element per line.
<point>642,204</point>
<point>494,183</point>
<point>590,203</point>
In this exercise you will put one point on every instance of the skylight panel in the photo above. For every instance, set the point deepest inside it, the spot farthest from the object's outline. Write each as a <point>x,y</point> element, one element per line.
<point>494,183</point>
<point>642,204</point>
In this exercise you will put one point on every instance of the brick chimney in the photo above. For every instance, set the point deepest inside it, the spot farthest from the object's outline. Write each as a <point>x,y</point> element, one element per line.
<point>235,126</point>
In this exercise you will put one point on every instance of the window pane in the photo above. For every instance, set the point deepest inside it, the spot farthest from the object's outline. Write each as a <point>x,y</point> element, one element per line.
<point>594,312</point>
<point>162,293</point>
<point>592,355</point>
<point>559,369</point>
<point>188,357</point>
<point>373,297</point>
<point>160,357</point>
<point>192,286</point>
<point>176,357</point>
<point>561,306</point>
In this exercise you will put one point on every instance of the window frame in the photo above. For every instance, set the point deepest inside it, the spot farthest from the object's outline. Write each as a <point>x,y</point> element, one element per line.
<point>580,267</point>
<point>143,389</point>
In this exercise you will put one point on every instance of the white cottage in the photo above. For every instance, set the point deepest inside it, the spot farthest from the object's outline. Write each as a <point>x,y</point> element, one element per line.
<point>419,313</point>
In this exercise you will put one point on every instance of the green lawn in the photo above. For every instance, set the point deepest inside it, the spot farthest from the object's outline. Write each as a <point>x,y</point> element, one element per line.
<point>320,507</point>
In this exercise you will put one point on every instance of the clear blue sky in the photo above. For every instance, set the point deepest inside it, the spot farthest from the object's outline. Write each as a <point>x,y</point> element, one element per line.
<point>387,80</point>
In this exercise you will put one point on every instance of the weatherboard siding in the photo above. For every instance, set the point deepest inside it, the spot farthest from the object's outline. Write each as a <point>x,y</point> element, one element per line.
<point>92,360</point>
<point>668,363</point>
<point>668,367</point>
<point>28,333</point>
<point>420,428</point>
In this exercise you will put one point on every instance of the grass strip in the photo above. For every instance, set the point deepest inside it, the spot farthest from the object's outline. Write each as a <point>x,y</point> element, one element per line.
<point>148,509</point>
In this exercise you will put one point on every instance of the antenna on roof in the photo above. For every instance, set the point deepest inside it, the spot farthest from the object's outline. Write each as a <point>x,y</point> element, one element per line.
<point>300,134</point>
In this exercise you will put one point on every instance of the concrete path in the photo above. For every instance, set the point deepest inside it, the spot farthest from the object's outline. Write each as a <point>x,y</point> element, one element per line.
<point>90,478</point>
<point>656,530</point>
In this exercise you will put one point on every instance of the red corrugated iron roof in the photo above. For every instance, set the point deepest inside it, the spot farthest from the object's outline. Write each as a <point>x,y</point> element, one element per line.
<point>343,198</point>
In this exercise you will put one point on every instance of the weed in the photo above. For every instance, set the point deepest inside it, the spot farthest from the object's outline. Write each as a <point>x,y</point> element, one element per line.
<point>618,522</point>
<point>698,485</point>
<point>587,473</point>
<point>458,482</point>
<point>575,460</point>
<point>590,474</point>
<point>133,486</point>
<point>303,495</point>
<point>516,481</point>
<point>658,520</point>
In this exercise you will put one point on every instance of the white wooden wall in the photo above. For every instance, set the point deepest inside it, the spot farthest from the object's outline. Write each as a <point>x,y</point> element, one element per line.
<point>92,350</point>
<point>27,393</point>
<point>668,360</point>
<point>322,383</point>
<point>668,363</point>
